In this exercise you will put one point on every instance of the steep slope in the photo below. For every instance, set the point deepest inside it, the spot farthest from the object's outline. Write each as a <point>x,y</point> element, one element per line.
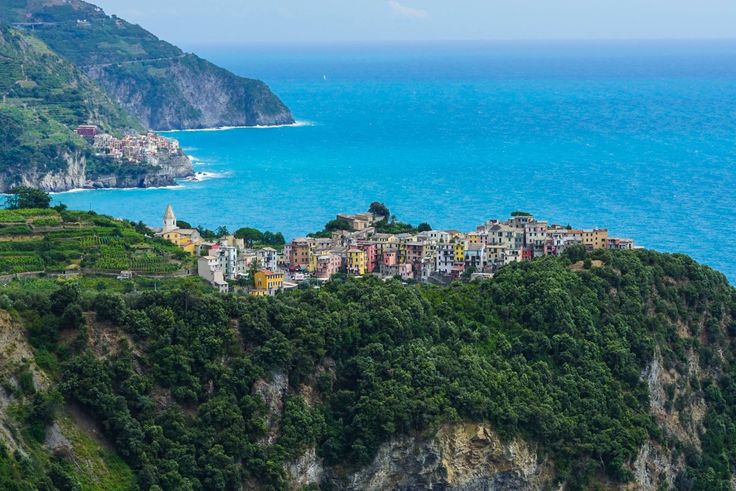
<point>549,375</point>
<point>34,452</point>
<point>43,98</point>
<point>158,83</point>
<point>34,77</point>
<point>51,242</point>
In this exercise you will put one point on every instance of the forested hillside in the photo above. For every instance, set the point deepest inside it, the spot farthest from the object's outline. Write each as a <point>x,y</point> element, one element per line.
<point>602,371</point>
<point>44,98</point>
<point>163,87</point>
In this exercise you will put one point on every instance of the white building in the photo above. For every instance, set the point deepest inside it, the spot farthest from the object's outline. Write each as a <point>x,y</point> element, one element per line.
<point>445,257</point>
<point>210,268</point>
<point>475,257</point>
<point>268,258</point>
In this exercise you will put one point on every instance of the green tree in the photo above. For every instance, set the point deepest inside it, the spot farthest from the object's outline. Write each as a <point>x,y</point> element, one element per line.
<point>249,235</point>
<point>424,227</point>
<point>381,210</point>
<point>25,197</point>
<point>274,239</point>
<point>338,224</point>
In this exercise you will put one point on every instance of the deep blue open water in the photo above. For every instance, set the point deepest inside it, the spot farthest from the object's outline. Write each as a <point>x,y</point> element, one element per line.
<point>640,138</point>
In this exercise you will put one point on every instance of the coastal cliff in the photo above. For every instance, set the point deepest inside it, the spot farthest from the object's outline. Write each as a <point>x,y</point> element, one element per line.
<point>460,457</point>
<point>44,99</point>
<point>187,92</point>
<point>160,85</point>
<point>65,64</point>
<point>78,172</point>
<point>164,173</point>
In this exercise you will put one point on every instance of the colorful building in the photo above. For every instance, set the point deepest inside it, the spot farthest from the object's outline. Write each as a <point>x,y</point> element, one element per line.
<point>475,257</point>
<point>268,282</point>
<point>356,262</point>
<point>459,250</point>
<point>300,251</point>
<point>328,265</point>
<point>370,249</point>
<point>596,238</point>
<point>186,238</point>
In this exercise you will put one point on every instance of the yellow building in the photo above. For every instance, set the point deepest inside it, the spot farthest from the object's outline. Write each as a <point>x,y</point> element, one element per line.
<point>596,238</point>
<point>312,266</point>
<point>473,238</point>
<point>185,238</point>
<point>357,262</point>
<point>268,282</point>
<point>459,251</point>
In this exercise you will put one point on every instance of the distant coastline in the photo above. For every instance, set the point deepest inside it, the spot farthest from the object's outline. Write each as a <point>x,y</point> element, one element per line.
<point>296,124</point>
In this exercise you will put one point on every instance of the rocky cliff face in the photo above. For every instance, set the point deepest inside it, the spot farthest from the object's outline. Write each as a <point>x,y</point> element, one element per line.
<point>187,92</point>
<point>133,176</point>
<point>471,456</point>
<point>72,177</point>
<point>462,457</point>
<point>77,175</point>
<point>14,354</point>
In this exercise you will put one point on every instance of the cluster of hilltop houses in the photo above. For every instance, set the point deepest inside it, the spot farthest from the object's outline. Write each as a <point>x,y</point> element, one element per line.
<point>149,148</point>
<point>440,254</point>
<point>228,259</point>
<point>434,255</point>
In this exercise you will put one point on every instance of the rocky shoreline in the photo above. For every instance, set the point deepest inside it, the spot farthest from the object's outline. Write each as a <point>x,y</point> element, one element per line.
<point>77,175</point>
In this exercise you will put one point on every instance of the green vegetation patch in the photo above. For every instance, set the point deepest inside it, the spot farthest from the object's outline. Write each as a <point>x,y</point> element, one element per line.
<point>541,352</point>
<point>98,467</point>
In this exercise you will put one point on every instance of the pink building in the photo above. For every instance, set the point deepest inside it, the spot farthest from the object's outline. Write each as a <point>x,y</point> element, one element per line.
<point>328,265</point>
<point>402,270</point>
<point>390,258</point>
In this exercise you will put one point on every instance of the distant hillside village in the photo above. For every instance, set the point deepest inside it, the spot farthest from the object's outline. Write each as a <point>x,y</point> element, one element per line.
<point>437,256</point>
<point>145,148</point>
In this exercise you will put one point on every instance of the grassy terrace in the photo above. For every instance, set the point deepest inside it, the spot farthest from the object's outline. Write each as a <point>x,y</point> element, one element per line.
<point>52,241</point>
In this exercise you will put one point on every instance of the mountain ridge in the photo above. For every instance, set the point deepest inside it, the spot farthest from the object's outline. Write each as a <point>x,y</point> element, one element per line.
<point>133,65</point>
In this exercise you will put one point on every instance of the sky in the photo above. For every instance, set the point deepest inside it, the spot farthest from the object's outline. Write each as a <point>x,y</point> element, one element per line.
<point>197,22</point>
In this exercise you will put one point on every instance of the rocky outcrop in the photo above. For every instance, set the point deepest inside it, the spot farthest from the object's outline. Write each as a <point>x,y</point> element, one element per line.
<point>462,457</point>
<point>144,176</point>
<point>15,353</point>
<point>305,471</point>
<point>79,175</point>
<point>71,177</point>
<point>273,392</point>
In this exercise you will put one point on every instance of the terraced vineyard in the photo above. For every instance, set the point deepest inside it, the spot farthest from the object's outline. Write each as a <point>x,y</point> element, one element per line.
<point>55,241</point>
<point>19,263</point>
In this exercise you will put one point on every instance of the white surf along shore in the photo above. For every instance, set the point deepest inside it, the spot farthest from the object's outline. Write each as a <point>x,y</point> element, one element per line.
<point>297,124</point>
<point>198,176</point>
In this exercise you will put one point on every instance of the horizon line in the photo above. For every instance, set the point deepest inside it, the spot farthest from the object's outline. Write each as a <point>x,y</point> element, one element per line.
<point>339,42</point>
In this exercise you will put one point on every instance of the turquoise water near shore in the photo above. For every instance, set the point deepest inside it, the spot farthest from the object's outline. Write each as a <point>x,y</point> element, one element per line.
<point>640,138</point>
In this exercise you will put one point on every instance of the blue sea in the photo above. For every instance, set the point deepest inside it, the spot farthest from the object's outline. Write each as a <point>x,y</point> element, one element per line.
<point>639,137</point>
